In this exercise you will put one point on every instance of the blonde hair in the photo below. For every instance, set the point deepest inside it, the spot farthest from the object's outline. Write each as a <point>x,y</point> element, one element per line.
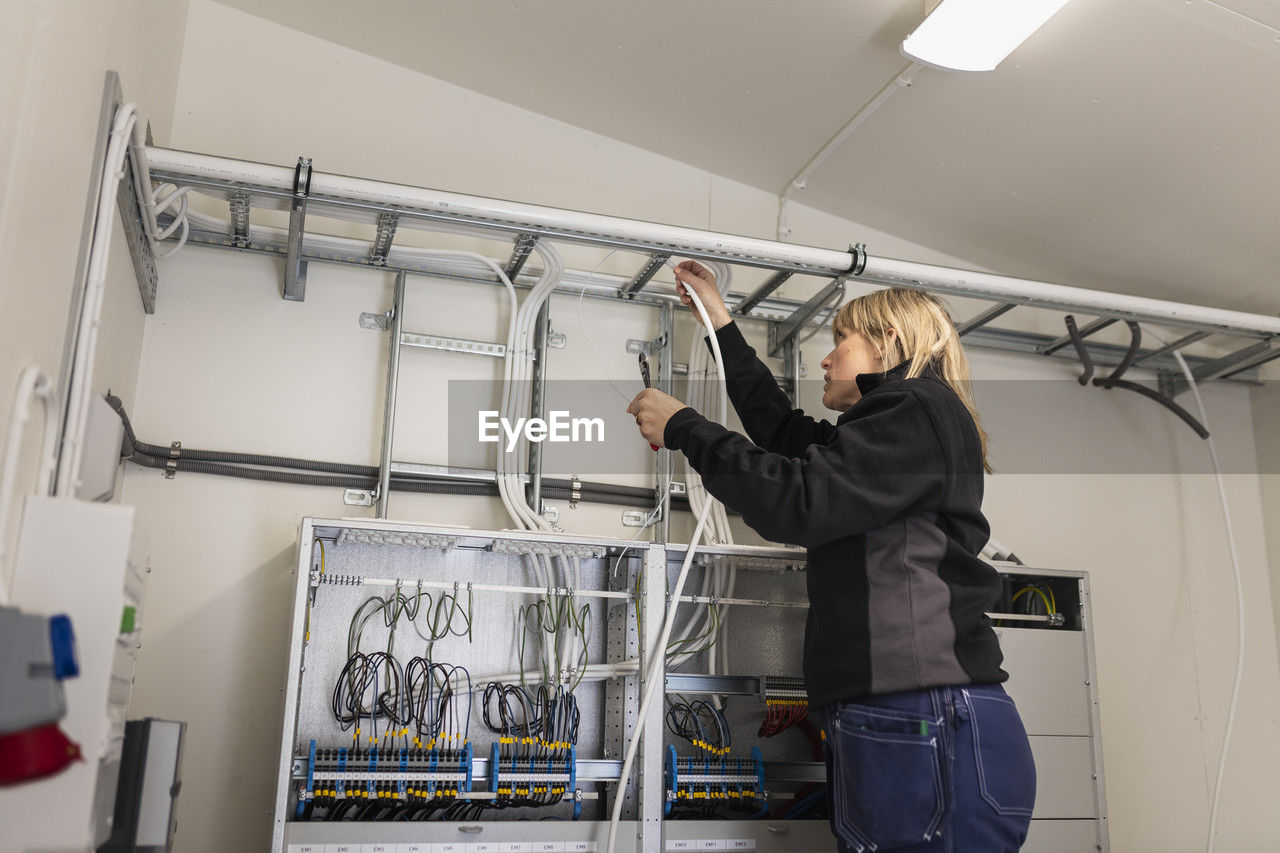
<point>923,334</point>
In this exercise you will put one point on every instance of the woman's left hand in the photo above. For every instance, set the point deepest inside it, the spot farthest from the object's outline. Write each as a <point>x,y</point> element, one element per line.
<point>652,409</point>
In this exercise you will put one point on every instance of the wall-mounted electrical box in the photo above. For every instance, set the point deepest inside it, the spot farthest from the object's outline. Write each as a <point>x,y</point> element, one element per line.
<point>409,728</point>
<point>81,559</point>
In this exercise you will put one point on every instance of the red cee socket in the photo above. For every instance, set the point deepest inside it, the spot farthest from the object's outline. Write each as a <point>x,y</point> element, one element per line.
<point>35,753</point>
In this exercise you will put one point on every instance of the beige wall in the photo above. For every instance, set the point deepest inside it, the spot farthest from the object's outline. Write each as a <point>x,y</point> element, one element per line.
<point>227,364</point>
<point>54,57</point>
<point>1266,429</point>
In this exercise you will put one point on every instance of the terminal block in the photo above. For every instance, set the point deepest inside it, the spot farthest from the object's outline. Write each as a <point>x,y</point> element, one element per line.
<point>786,701</point>
<point>702,779</point>
<point>393,775</point>
<point>535,779</point>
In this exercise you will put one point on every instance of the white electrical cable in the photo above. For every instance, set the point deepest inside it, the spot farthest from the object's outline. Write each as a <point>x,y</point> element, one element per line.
<point>563,654</point>
<point>86,344</point>
<point>657,652</point>
<point>516,397</point>
<point>32,384</point>
<point>1239,582</point>
<point>658,658</point>
<point>1239,585</point>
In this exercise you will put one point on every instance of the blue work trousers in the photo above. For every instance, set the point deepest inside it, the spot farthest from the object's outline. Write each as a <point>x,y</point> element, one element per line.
<point>945,769</point>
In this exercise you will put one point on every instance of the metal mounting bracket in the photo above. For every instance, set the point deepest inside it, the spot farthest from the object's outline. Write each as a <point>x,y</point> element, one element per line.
<point>556,339</point>
<point>378,322</point>
<point>638,517</point>
<point>636,346</point>
<point>238,202</point>
<point>550,513</point>
<point>295,267</point>
<point>358,497</point>
<point>519,254</point>
<point>385,233</point>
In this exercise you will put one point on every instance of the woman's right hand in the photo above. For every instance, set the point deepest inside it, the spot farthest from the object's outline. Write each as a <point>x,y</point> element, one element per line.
<point>692,274</point>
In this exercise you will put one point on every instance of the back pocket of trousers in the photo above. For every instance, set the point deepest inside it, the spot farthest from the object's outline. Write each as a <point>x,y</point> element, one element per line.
<point>1002,753</point>
<point>888,789</point>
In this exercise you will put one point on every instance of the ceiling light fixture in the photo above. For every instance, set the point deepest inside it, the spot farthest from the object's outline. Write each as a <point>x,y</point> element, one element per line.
<point>976,35</point>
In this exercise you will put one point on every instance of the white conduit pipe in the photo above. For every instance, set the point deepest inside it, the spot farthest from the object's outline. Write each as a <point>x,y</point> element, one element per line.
<point>901,80</point>
<point>33,384</point>
<point>175,164</point>
<point>525,216</point>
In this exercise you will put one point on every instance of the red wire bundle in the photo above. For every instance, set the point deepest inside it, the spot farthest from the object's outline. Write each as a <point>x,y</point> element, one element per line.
<point>782,714</point>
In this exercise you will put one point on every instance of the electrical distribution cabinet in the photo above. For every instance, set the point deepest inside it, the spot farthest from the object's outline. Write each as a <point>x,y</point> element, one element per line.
<point>407,728</point>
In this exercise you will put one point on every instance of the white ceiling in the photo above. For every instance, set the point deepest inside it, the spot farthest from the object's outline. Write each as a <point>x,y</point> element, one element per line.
<point>1129,145</point>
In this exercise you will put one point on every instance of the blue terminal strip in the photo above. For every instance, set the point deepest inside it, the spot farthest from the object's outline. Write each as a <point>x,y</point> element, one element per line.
<point>704,778</point>
<point>311,779</point>
<point>573,782</point>
<point>342,767</point>
<point>535,780</point>
<point>412,776</point>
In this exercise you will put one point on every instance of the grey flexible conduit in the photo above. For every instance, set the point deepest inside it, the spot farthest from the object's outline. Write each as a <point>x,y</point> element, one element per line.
<point>338,475</point>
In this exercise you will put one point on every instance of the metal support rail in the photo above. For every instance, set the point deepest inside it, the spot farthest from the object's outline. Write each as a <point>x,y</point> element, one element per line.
<point>771,310</point>
<point>594,770</point>
<point>337,579</point>
<point>389,409</point>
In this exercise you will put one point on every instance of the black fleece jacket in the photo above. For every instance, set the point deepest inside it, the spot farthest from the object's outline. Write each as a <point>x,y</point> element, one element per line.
<point>888,503</point>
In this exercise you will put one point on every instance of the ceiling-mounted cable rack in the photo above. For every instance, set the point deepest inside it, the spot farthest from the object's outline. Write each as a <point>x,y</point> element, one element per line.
<point>1250,339</point>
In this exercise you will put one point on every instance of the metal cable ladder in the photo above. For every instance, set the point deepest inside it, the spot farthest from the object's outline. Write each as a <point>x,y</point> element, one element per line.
<point>387,207</point>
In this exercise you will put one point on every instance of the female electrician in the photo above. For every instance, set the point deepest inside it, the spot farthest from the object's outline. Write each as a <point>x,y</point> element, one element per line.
<point>925,751</point>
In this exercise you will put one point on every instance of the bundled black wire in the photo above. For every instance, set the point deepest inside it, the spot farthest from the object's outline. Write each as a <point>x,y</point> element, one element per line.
<point>357,692</point>
<point>533,727</point>
<point>701,724</point>
<point>433,703</point>
<point>421,695</point>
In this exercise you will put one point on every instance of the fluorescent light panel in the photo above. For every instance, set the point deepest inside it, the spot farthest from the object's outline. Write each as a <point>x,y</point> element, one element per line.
<point>976,35</point>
